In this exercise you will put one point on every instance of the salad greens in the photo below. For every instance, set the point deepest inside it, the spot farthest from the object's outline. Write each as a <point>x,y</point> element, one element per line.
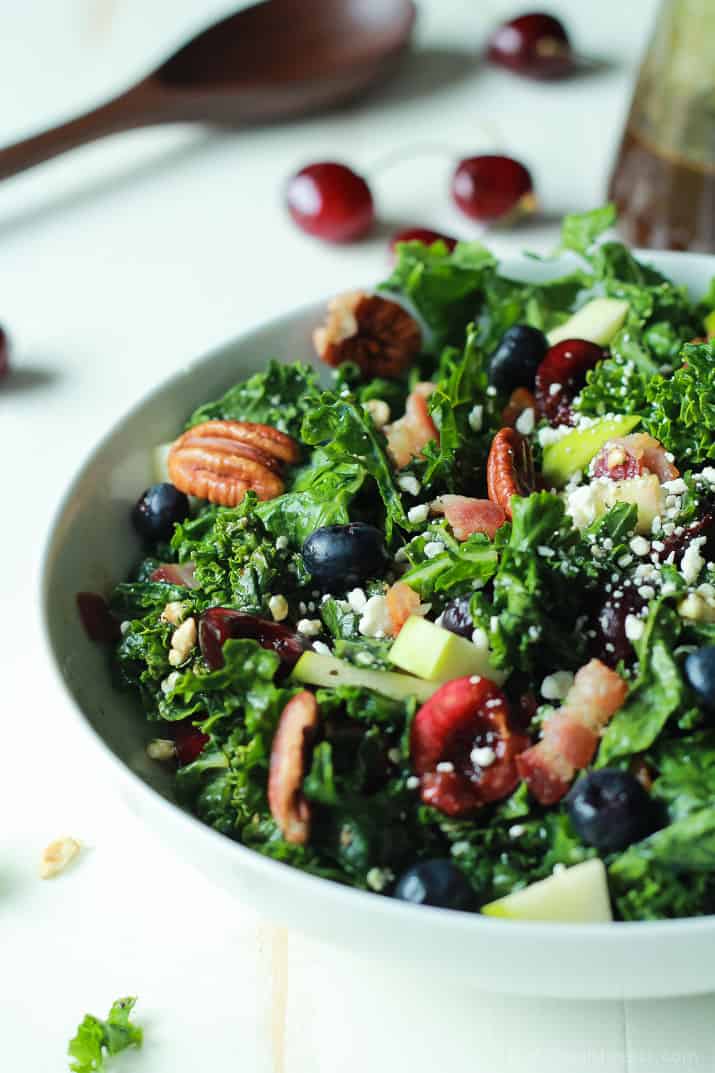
<point>96,1038</point>
<point>612,574</point>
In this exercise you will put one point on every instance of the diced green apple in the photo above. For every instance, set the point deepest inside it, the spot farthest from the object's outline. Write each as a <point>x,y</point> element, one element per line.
<point>424,649</point>
<point>575,450</point>
<point>318,670</point>
<point>578,895</point>
<point>598,321</point>
<point>589,502</point>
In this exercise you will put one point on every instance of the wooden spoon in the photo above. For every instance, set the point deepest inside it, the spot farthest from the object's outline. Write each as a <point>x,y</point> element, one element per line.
<point>273,61</point>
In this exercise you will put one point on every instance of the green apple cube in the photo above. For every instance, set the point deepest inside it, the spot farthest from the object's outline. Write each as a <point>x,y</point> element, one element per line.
<point>645,493</point>
<point>578,895</point>
<point>424,649</point>
<point>318,670</point>
<point>575,450</point>
<point>598,321</point>
<point>160,457</point>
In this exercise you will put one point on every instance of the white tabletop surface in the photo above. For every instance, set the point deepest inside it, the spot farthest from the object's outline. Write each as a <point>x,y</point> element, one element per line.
<point>117,264</point>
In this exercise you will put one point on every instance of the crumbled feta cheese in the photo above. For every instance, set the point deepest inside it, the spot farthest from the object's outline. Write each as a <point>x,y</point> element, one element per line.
<point>309,627</point>
<point>282,542</point>
<point>646,591</point>
<point>278,607</point>
<point>124,627</point>
<point>476,417</point>
<point>639,545</point>
<point>379,878</point>
<point>409,484</point>
<point>169,682</point>
<point>692,561</point>
<point>556,686</point>
<point>634,628</point>
<point>475,679</point>
<point>433,548</point>
<point>525,421</point>
<point>482,756</point>
<point>357,600</point>
<point>545,551</point>
<point>418,513</point>
<point>375,620</point>
<point>546,436</point>
<point>491,391</point>
<point>516,830</point>
<point>321,648</point>
<point>625,560</point>
<point>412,782</point>
<point>394,756</point>
<point>379,411</point>
<point>479,638</point>
<point>554,389</point>
<point>460,848</point>
<point>677,486</point>
<point>445,766</point>
<point>583,504</point>
<point>558,868</point>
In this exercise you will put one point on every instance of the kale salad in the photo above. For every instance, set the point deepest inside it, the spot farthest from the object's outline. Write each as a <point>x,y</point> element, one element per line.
<point>445,630</point>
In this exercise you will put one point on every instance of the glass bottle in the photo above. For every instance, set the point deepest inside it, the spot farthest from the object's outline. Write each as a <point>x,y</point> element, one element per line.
<point>664,179</point>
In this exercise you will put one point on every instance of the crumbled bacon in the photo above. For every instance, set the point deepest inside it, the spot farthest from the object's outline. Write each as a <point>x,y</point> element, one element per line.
<point>407,436</point>
<point>466,515</point>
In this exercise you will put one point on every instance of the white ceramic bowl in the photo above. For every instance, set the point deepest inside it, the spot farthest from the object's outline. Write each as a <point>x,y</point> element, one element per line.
<point>92,546</point>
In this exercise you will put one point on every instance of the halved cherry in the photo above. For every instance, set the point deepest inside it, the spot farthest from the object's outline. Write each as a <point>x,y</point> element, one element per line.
<point>176,574</point>
<point>463,747</point>
<point>421,234</point>
<point>189,741</point>
<point>561,376</point>
<point>218,624</point>
<point>632,456</point>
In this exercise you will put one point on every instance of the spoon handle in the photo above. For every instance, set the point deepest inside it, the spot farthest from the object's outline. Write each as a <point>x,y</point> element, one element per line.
<point>121,113</point>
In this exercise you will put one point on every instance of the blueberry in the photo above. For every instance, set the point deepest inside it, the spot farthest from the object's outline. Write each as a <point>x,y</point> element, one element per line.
<point>437,883</point>
<point>157,511</point>
<point>344,555</point>
<point>700,672</point>
<point>457,618</point>
<point>514,362</point>
<point>609,809</point>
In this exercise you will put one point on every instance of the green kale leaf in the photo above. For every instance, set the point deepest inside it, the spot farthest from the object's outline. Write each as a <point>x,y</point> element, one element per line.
<point>96,1038</point>
<point>686,773</point>
<point>280,396</point>
<point>681,411</point>
<point>321,494</point>
<point>579,231</point>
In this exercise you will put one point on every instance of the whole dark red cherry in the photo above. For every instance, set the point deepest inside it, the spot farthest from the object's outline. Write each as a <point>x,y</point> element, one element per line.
<point>330,201</point>
<point>489,188</point>
<point>535,45</point>
<point>561,376</point>
<point>424,235</point>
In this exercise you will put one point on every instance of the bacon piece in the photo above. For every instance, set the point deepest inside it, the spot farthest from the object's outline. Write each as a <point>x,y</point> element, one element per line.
<point>570,736</point>
<point>402,601</point>
<point>467,516</point>
<point>407,436</point>
<point>635,455</point>
<point>176,574</point>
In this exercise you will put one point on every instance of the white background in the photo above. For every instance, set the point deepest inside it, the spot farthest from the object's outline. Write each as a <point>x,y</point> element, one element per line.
<point>117,264</point>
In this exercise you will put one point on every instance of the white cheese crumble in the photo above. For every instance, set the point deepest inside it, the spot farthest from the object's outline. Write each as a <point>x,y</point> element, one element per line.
<point>409,484</point>
<point>482,756</point>
<point>379,411</point>
<point>412,782</point>
<point>321,648</point>
<point>278,607</point>
<point>556,686</point>
<point>379,878</point>
<point>357,600</point>
<point>281,542</point>
<point>418,513</point>
<point>480,638</point>
<point>525,421</point>
<point>692,561</point>
<point>433,548</point>
<point>445,766</point>
<point>554,389</point>
<point>639,545</point>
<point>677,486</point>
<point>476,418</point>
<point>169,682</point>
<point>634,628</point>
<point>309,627</point>
<point>375,620</point>
<point>516,830</point>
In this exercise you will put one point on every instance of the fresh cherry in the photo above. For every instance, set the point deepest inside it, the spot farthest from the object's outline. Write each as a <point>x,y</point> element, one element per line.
<point>330,201</point>
<point>561,375</point>
<point>535,45</point>
<point>189,741</point>
<point>489,188</point>
<point>424,235</point>
<point>218,624</point>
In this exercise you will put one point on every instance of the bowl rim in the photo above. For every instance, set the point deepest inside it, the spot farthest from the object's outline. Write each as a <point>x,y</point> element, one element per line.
<point>346,898</point>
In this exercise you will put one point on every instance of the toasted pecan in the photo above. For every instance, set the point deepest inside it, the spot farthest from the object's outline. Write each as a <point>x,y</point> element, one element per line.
<point>378,335</point>
<point>510,468</point>
<point>222,460</point>
<point>296,729</point>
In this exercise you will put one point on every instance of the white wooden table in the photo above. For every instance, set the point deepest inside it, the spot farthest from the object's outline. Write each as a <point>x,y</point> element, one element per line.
<point>117,264</point>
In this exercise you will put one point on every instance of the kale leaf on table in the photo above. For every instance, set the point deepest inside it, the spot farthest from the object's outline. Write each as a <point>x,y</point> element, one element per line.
<point>96,1039</point>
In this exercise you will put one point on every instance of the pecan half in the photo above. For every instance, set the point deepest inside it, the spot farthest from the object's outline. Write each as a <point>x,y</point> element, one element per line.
<point>510,468</point>
<point>378,335</point>
<point>222,460</point>
<point>296,730</point>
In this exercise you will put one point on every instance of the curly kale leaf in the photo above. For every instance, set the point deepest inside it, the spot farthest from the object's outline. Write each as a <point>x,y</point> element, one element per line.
<point>686,773</point>
<point>681,411</point>
<point>460,567</point>
<point>443,288</point>
<point>670,874</point>
<point>96,1038</point>
<point>280,396</point>
<point>657,693</point>
<point>348,437</point>
<point>321,494</point>
<point>579,231</point>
